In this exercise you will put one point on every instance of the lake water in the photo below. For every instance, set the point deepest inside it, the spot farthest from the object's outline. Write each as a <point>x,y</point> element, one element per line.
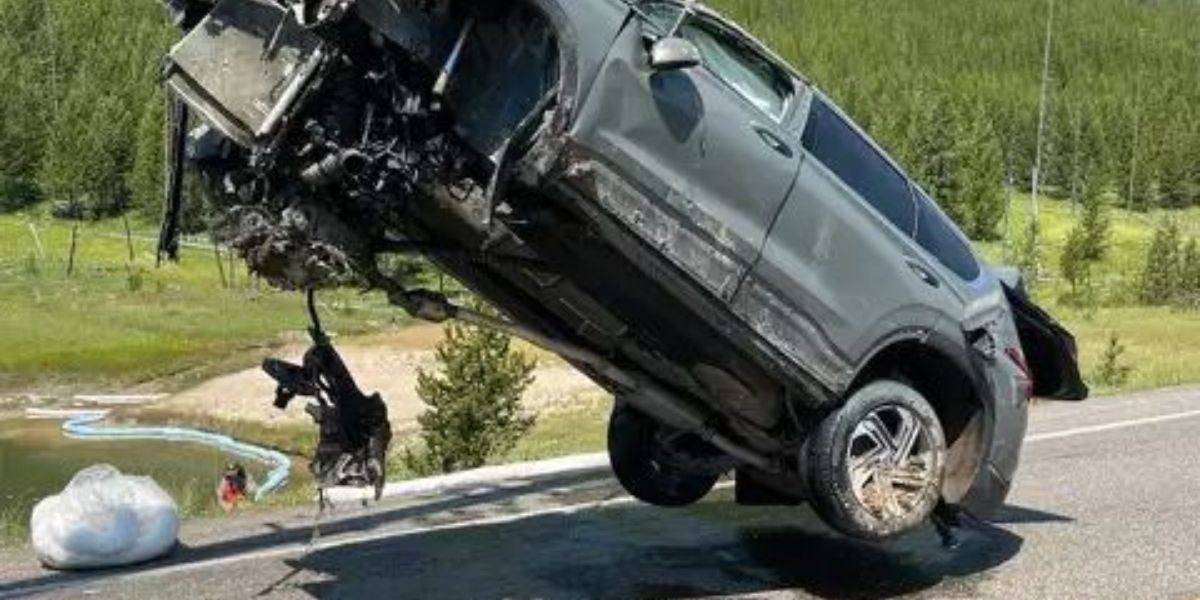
<point>37,460</point>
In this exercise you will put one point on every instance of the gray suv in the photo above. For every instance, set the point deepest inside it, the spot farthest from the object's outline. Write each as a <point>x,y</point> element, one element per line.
<point>647,190</point>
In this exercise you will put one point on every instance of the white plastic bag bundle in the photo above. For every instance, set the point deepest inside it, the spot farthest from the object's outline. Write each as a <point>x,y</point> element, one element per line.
<point>104,519</point>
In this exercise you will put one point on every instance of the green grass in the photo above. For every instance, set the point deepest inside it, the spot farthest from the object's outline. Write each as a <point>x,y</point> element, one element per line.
<point>181,317</point>
<point>573,430</point>
<point>575,427</point>
<point>1162,343</point>
<point>116,322</point>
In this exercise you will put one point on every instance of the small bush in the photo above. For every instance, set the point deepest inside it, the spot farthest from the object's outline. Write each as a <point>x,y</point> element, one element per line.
<point>135,278</point>
<point>1111,372</point>
<point>16,194</point>
<point>1160,273</point>
<point>33,268</point>
<point>474,401</point>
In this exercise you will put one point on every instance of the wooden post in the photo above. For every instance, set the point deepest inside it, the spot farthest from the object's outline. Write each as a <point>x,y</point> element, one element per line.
<point>128,236</point>
<point>37,242</point>
<point>74,245</point>
<point>1137,114</point>
<point>1037,162</point>
<point>220,265</point>
<point>1008,201</point>
<point>232,270</point>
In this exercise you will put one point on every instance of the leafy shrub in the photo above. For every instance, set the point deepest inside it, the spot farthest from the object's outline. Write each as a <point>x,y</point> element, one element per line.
<point>1111,371</point>
<point>474,401</point>
<point>16,194</point>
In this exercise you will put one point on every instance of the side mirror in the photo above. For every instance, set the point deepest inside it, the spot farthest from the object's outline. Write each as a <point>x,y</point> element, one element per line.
<point>674,53</point>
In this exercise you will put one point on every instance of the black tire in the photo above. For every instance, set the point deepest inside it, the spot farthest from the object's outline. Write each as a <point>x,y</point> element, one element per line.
<point>894,493</point>
<point>640,464</point>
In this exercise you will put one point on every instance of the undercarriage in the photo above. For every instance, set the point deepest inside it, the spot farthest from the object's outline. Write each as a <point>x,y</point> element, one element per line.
<point>380,153</point>
<point>337,135</point>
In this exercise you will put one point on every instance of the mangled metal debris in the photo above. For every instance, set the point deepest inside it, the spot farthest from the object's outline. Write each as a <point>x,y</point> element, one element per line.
<point>648,191</point>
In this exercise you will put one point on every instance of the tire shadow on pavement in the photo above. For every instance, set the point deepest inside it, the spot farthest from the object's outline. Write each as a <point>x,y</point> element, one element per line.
<point>634,551</point>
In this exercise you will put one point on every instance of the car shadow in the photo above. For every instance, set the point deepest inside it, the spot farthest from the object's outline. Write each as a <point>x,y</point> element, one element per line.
<point>500,500</point>
<point>1014,515</point>
<point>623,551</point>
<point>635,551</point>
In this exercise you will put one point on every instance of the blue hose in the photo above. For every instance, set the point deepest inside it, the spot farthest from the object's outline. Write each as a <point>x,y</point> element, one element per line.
<point>84,426</point>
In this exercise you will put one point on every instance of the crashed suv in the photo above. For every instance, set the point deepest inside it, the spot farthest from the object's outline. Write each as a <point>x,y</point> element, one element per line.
<point>645,189</point>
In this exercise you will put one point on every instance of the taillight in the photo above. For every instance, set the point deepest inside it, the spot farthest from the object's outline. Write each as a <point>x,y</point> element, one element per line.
<point>1018,358</point>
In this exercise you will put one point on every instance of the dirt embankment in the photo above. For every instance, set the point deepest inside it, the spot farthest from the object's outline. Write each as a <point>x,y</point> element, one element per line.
<point>384,363</point>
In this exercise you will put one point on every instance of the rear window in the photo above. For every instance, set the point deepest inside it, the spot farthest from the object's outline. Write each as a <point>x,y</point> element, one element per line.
<point>831,140</point>
<point>938,236</point>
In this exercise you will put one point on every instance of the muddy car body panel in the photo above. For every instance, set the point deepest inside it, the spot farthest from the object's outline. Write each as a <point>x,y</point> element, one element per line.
<point>711,238</point>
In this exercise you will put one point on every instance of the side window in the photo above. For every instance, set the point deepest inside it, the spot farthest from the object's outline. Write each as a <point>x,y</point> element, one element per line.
<point>851,157</point>
<point>938,236</point>
<point>660,14</point>
<point>740,67</point>
<point>729,58</point>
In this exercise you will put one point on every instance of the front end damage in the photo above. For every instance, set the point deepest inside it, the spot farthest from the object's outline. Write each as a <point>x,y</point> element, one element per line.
<point>333,135</point>
<point>320,129</point>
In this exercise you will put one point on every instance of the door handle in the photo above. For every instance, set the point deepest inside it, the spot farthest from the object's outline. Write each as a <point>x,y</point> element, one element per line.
<point>770,139</point>
<point>922,273</point>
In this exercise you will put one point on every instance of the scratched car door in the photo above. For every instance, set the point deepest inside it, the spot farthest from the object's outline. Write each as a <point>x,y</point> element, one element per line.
<point>838,272</point>
<point>700,162</point>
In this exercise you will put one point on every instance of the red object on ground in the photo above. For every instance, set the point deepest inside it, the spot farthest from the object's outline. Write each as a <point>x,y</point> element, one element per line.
<point>232,488</point>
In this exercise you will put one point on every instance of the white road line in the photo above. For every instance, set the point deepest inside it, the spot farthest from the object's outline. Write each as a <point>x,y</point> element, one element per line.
<point>484,477</point>
<point>298,549</point>
<point>330,544</point>
<point>1054,435</point>
<point>349,540</point>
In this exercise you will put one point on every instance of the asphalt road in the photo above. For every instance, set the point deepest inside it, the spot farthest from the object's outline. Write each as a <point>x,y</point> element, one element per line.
<point>1105,506</point>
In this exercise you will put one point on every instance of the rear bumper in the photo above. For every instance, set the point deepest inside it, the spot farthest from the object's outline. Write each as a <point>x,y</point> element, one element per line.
<point>988,492</point>
<point>1007,419</point>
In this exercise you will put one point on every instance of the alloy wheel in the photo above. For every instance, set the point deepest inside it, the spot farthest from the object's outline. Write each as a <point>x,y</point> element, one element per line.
<point>891,461</point>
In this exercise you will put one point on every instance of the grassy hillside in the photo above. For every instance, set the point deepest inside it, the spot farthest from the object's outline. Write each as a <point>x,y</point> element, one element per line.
<point>950,87</point>
<point>1163,343</point>
<point>118,323</point>
<point>1122,94</point>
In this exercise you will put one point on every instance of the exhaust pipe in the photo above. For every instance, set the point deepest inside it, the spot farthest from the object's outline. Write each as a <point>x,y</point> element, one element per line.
<point>658,402</point>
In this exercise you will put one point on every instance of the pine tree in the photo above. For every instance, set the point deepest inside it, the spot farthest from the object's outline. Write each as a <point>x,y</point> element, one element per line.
<point>979,176</point>
<point>474,401</point>
<point>21,126</point>
<point>87,152</point>
<point>17,159</point>
<point>932,158</point>
<point>1189,279</point>
<point>1076,269</point>
<point>146,178</point>
<point>1112,372</point>
<point>1177,170</point>
<point>1160,275</point>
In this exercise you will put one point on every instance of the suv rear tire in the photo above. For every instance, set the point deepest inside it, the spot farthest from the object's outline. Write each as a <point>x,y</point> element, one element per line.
<point>643,466</point>
<point>876,464</point>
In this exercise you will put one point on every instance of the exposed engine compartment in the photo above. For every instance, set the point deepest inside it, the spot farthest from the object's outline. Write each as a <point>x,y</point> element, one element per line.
<point>343,158</point>
<point>337,134</point>
<point>562,161</point>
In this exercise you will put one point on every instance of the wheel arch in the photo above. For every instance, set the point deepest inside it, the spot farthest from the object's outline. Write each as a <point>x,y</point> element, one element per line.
<point>953,386</point>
